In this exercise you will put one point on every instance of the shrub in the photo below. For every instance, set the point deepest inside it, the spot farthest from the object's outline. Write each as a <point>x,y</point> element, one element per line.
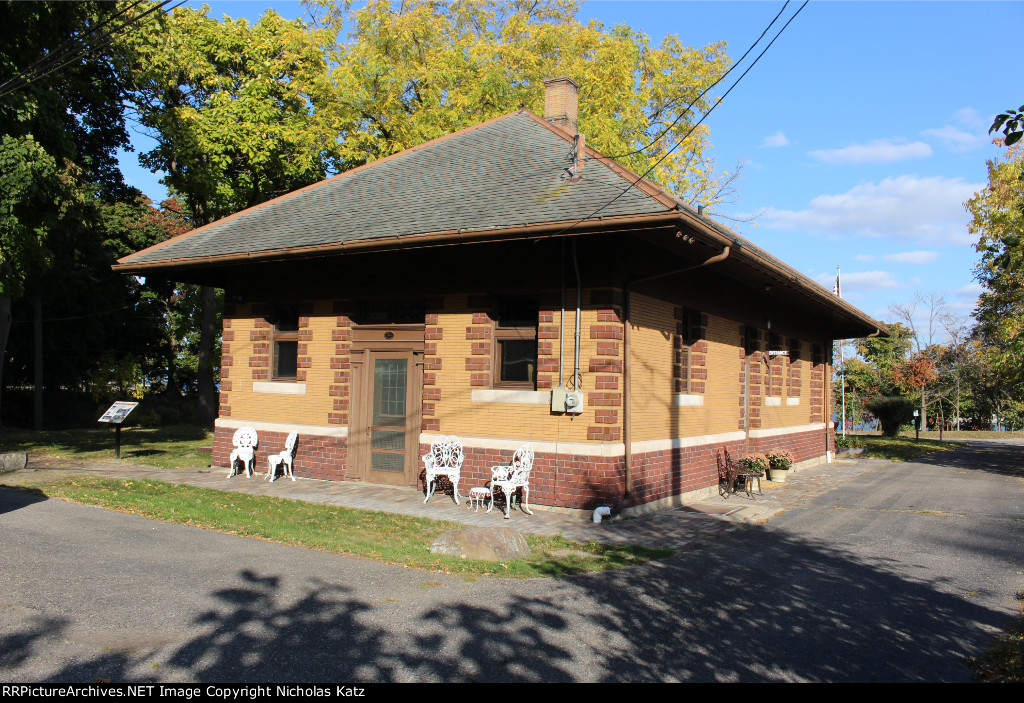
<point>892,412</point>
<point>779,458</point>
<point>848,442</point>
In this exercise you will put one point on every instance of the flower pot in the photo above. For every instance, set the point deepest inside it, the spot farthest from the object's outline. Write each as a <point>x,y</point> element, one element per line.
<point>778,474</point>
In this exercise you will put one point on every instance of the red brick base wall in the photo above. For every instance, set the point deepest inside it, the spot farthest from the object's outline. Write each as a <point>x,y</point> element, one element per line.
<point>567,481</point>
<point>315,456</point>
<point>586,482</point>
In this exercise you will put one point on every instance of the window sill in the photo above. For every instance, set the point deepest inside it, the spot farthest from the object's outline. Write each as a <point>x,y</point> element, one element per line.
<point>504,395</point>
<point>279,387</point>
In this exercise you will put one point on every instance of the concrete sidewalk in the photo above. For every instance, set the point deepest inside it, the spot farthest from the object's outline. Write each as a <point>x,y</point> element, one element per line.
<point>689,526</point>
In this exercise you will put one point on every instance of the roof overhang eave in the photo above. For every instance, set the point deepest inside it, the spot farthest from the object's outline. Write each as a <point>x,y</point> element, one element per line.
<point>563,228</point>
<point>683,217</point>
<point>745,252</point>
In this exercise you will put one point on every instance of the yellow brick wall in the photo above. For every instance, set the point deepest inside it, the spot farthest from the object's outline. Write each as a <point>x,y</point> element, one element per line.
<point>313,407</point>
<point>459,414</point>
<point>724,387</point>
<point>655,413</point>
<point>783,415</point>
<point>653,343</point>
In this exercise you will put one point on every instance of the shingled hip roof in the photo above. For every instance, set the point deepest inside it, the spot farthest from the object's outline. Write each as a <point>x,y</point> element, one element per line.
<point>504,173</point>
<point>503,178</point>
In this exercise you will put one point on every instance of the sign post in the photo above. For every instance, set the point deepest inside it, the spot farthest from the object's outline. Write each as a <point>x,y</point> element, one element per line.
<point>116,414</point>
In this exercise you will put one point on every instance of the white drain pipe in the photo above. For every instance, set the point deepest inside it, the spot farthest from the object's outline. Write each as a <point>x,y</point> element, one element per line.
<point>603,510</point>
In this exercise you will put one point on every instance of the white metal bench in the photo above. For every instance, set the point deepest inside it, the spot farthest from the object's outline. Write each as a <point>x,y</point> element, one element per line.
<point>444,459</point>
<point>284,459</point>
<point>513,477</point>
<point>245,441</point>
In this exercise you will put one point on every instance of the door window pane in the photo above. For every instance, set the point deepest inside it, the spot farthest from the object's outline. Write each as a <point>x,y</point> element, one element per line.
<point>389,384</point>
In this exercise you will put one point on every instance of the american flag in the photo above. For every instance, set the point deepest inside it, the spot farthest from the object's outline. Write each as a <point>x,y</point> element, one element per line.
<point>836,290</point>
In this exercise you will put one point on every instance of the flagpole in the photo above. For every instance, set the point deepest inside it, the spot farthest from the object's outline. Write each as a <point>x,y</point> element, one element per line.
<point>842,357</point>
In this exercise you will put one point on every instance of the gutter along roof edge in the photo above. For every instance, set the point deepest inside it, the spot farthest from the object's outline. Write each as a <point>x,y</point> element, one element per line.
<point>741,249</point>
<point>752,254</point>
<point>440,238</point>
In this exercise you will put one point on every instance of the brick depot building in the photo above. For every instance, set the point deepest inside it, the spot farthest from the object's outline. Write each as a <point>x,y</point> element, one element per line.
<point>468,285</point>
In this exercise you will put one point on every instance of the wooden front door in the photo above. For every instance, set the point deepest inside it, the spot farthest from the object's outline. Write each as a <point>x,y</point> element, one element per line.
<point>387,423</point>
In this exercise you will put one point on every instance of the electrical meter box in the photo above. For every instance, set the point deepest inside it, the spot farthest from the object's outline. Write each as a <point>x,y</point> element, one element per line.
<point>566,401</point>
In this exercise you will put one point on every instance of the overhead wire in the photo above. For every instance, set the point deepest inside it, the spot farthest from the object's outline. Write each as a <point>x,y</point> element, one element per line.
<point>703,93</point>
<point>76,49</point>
<point>686,136</point>
<point>51,57</point>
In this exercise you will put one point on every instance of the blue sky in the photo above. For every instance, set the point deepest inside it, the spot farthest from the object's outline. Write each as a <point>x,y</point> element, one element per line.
<point>861,131</point>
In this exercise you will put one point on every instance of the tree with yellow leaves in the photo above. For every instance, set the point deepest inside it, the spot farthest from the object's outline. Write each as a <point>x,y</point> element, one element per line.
<point>416,70</point>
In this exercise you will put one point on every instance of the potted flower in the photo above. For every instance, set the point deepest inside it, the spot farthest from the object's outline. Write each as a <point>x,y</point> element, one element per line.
<point>780,461</point>
<point>754,463</point>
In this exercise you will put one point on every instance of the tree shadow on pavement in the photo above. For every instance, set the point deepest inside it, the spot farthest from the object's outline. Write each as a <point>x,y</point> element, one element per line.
<point>17,498</point>
<point>757,605</point>
<point>999,458</point>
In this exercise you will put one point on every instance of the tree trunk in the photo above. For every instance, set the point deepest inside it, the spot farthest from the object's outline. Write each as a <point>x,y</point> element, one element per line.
<point>5,330</point>
<point>207,390</point>
<point>37,316</point>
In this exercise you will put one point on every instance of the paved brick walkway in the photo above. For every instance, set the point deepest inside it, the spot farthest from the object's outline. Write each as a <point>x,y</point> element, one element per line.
<point>679,528</point>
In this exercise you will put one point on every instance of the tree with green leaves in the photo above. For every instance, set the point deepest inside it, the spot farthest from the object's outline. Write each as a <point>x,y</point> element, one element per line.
<point>236,113</point>
<point>1011,124</point>
<point>997,219</point>
<point>60,129</point>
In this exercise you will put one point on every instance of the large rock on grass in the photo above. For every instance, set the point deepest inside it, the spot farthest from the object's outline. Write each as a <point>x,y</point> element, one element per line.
<point>490,543</point>
<point>13,462</point>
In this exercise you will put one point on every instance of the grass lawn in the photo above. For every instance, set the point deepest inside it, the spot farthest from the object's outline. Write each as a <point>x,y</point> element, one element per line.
<point>1003,662</point>
<point>900,448</point>
<point>385,537</point>
<point>173,447</point>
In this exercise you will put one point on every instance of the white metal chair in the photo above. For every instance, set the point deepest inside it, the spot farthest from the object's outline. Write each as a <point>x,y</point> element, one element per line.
<point>445,459</point>
<point>283,459</point>
<point>245,441</point>
<point>513,477</point>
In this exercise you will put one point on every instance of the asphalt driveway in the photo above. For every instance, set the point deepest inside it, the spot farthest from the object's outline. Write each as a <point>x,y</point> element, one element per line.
<point>895,575</point>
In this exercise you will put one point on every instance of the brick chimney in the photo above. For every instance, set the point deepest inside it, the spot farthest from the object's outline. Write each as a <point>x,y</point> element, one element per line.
<point>561,100</point>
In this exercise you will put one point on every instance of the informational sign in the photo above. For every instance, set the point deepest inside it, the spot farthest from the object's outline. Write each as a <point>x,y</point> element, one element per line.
<point>778,353</point>
<point>117,412</point>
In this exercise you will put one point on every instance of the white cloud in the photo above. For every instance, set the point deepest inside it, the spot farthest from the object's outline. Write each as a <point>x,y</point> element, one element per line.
<point>972,133</point>
<point>858,281</point>
<point>970,117</point>
<point>774,140</point>
<point>966,297</point>
<point>913,257</point>
<point>957,139</point>
<point>904,208</point>
<point>878,151</point>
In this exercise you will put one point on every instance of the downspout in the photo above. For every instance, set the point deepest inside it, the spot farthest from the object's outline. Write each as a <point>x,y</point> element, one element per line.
<point>577,380</point>
<point>561,321</point>
<point>627,415</point>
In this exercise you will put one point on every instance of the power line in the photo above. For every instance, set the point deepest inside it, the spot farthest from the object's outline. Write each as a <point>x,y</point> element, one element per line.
<point>61,50</point>
<point>75,49</point>
<point>705,91</point>
<point>684,138</point>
